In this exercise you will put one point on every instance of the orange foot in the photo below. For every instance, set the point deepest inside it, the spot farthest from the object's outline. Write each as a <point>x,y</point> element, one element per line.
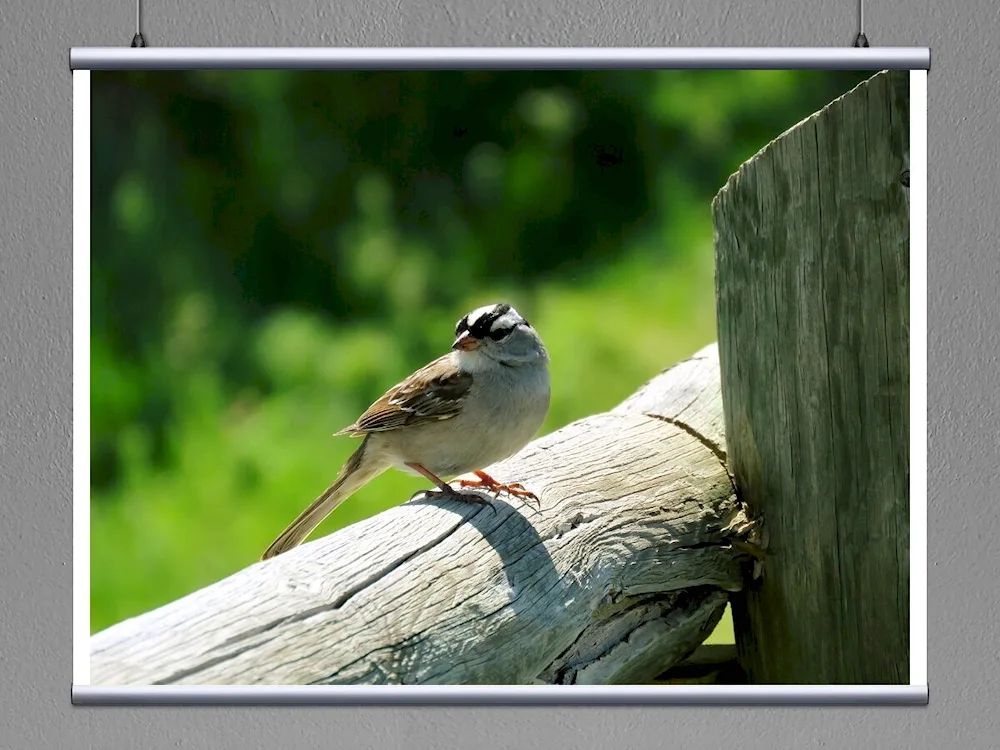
<point>487,482</point>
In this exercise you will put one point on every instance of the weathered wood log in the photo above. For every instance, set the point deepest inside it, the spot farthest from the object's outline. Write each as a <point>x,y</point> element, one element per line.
<point>812,276</point>
<point>622,572</point>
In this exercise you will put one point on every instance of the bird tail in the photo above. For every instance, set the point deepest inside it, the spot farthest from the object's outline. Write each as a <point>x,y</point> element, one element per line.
<point>354,474</point>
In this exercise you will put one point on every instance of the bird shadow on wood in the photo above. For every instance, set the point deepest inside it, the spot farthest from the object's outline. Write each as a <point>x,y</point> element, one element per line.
<point>525,562</point>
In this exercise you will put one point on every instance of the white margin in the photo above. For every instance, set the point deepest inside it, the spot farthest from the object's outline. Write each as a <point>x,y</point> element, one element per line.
<point>918,377</point>
<point>81,377</point>
<point>730,695</point>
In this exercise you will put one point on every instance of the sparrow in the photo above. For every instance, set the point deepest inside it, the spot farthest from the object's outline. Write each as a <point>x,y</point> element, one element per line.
<point>478,404</point>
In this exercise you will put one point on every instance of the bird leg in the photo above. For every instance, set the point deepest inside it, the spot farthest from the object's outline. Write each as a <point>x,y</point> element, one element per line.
<point>486,481</point>
<point>446,488</point>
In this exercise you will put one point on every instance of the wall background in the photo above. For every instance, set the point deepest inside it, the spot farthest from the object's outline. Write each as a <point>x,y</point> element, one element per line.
<point>36,364</point>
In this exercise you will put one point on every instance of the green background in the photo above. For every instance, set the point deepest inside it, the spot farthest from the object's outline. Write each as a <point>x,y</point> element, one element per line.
<point>271,250</point>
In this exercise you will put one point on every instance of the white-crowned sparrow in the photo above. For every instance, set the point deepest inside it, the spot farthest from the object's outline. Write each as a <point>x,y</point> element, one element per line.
<point>478,404</point>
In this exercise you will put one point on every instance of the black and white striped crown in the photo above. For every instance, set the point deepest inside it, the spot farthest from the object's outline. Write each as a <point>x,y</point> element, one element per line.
<point>494,321</point>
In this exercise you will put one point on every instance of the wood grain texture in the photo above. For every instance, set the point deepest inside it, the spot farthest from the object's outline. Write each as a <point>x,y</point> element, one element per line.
<point>622,573</point>
<point>812,277</point>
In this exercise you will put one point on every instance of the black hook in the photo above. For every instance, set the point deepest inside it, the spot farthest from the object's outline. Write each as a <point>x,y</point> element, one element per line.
<point>861,40</point>
<point>138,41</point>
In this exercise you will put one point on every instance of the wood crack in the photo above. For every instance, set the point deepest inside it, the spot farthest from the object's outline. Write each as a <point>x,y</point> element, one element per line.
<point>712,446</point>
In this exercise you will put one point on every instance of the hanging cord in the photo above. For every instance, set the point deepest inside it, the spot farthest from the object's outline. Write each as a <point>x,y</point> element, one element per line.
<point>137,40</point>
<point>861,40</point>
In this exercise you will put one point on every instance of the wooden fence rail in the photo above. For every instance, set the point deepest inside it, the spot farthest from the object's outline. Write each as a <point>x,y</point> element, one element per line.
<point>623,572</point>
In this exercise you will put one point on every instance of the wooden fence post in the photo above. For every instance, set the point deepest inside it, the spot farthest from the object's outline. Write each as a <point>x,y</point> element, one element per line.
<point>812,258</point>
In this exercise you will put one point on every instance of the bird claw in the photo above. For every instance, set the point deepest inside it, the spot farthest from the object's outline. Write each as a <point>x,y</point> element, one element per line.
<point>466,497</point>
<point>514,489</point>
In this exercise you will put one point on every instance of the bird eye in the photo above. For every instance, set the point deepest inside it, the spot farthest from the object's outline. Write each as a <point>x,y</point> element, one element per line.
<point>500,333</point>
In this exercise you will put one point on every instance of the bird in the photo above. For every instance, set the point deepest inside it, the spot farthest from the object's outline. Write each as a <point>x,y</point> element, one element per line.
<point>480,403</point>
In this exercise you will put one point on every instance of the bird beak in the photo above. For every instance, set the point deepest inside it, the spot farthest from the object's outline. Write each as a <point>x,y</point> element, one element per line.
<point>466,342</point>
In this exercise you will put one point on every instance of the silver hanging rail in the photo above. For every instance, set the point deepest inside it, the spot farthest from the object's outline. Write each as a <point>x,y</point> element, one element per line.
<point>501,695</point>
<point>500,58</point>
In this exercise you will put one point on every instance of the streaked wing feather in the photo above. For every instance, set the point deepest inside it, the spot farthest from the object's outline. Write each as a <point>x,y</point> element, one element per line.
<point>432,393</point>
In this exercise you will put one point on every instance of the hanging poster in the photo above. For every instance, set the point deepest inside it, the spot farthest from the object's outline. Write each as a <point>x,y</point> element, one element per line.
<point>500,376</point>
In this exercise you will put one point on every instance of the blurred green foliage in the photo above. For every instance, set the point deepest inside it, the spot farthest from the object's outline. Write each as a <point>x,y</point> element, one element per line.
<point>271,250</point>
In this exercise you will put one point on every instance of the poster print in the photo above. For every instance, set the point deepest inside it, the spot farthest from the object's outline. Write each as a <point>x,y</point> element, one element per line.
<point>274,256</point>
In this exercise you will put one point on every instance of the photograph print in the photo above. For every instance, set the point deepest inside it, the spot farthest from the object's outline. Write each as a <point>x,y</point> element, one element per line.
<point>496,378</point>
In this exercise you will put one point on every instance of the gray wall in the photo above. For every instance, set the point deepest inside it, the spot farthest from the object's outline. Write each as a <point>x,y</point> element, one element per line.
<point>36,394</point>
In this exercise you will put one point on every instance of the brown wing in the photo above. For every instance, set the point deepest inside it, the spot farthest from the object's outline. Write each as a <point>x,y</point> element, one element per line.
<point>432,393</point>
